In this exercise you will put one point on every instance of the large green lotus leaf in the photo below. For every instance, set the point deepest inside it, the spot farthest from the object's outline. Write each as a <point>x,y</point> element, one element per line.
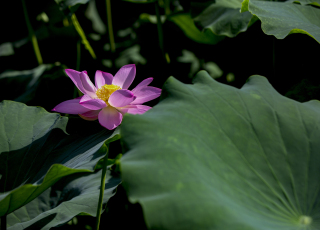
<point>283,18</point>
<point>210,156</point>
<point>223,17</point>
<point>186,24</point>
<point>35,153</point>
<point>75,194</point>
<point>307,2</point>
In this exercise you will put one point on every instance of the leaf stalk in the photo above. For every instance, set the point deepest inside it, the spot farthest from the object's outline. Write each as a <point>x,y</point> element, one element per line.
<point>82,35</point>
<point>167,7</point>
<point>102,187</point>
<point>110,28</point>
<point>32,36</point>
<point>160,33</point>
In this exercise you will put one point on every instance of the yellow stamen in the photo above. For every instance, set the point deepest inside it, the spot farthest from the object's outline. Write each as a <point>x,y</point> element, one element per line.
<point>105,91</point>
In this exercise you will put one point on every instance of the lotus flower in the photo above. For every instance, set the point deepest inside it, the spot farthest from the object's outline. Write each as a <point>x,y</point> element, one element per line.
<point>110,98</point>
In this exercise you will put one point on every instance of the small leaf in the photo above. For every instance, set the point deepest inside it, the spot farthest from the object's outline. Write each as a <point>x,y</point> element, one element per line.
<point>190,58</point>
<point>70,6</point>
<point>130,55</point>
<point>6,49</point>
<point>75,194</point>
<point>186,24</point>
<point>69,3</point>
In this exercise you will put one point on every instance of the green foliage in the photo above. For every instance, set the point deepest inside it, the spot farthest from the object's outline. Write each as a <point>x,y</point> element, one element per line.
<point>71,5</point>
<point>34,154</point>
<point>209,156</point>
<point>6,49</point>
<point>111,162</point>
<point>223,17</point>
<point>283,18</point>
<point>24,84</point>
<point>224,158</point>
<point>306,2</point>
<point>141,1</point>
<point>60,203</point>
<point>71,2</point>
<point>278,18</point>
<point>186,24</point>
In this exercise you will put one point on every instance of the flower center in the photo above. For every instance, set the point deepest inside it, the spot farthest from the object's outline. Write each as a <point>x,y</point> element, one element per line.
<point>105,91</point>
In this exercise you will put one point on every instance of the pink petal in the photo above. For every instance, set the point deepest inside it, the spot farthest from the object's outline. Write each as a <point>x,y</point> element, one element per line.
<point>93,104</point>
<point>134,109</point>
<point>90,115</point>
<point>121,97</point>
<point>109,117</point>
<point>102,78</point>
<point>125,76</point>
<point>75,77</point>
<point>147,93</point>
<point>84,98</point>
<point>142,84</point>
<point>70,107</point>
<point>89,88</point>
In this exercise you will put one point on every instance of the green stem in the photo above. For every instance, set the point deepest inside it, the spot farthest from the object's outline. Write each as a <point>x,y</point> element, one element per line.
<point>32,36</point>
<point>167,7</point>
<point>110,29</point>
<point>102,186</point>
<point>3,222</point>
<point>160,33</point>
<point>82,35</point>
